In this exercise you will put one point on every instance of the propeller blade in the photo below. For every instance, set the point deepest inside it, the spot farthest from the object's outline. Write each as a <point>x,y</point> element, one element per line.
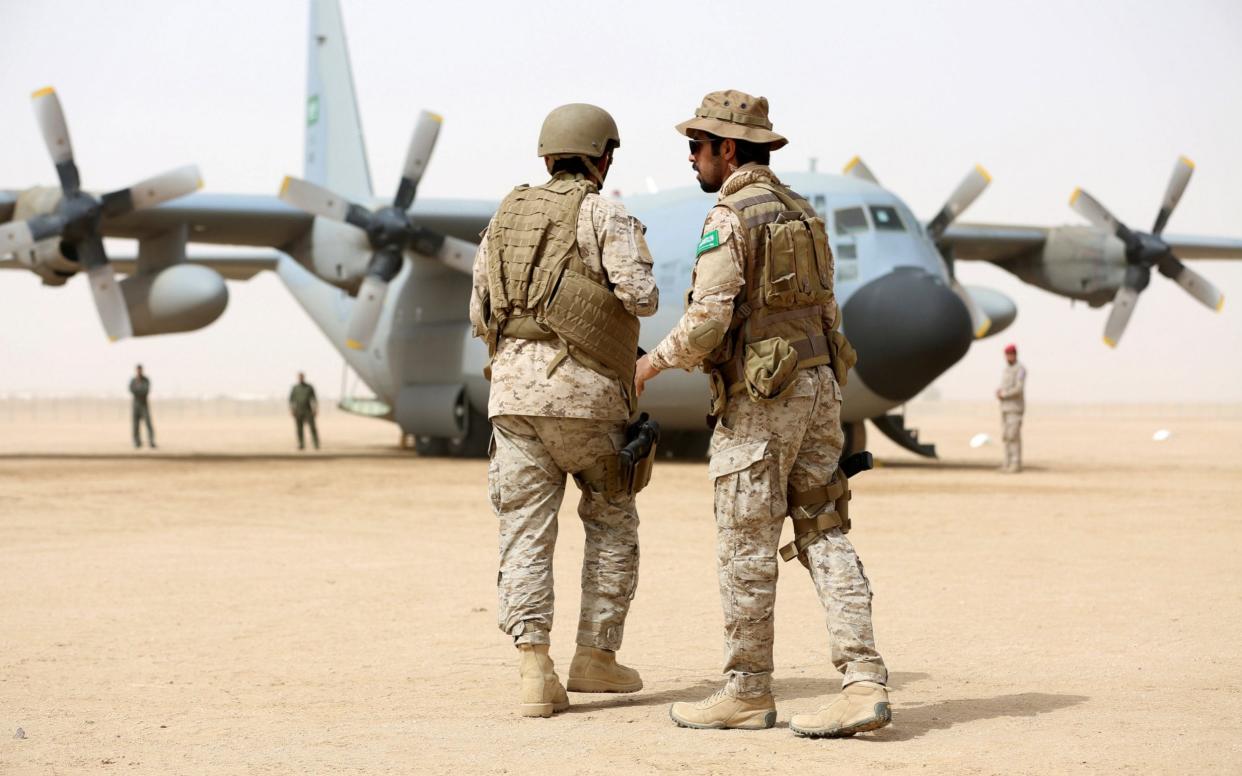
<point>1089,208</point>
<point>1173,193</point>
<point>1194,284</point>
<point>153,191</point>
<point>416,157</point>
<point>1119,316</point>
<point>55,130</point>
<point>457,254</point>
<point>367,308</point>
<point>962,197</point>
<point>319,201</point>
<point>109,302</point>
<point>980,323</point>
<point>858,169</point>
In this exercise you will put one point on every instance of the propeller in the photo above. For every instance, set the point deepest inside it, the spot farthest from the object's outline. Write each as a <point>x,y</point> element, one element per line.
<point>76,219</point>
<point>967,191</point>
<point>1145,251</point>
<point>390,230</point>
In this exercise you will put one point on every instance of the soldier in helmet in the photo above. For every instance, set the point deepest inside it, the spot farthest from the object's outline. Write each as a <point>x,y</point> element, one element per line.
<point>762,321</point>
<point>1012,405</point>
<point>560,279</point>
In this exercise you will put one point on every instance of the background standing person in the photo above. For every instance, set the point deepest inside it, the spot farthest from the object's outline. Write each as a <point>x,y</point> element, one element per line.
<point>1012,405</point>
<point>140,388</point>
<point>304,407</point>
<point>562,372</point>
<point>762,320</point>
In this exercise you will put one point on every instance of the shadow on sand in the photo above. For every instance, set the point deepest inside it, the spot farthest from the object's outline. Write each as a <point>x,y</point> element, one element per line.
<point>912,721</point>
<point>909,720</point>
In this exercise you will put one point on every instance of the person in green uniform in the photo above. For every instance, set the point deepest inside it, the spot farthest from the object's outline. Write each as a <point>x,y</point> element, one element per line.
<point>140,388</point>
<point>304,407</point>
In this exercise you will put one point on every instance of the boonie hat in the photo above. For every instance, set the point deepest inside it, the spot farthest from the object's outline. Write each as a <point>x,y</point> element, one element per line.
<point>737,115</point>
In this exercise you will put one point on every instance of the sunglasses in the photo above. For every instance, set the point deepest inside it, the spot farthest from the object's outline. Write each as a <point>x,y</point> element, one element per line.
<point>694,145</point>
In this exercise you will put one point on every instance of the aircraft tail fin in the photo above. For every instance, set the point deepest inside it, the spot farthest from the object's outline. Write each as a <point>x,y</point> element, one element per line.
<point>335,154</point>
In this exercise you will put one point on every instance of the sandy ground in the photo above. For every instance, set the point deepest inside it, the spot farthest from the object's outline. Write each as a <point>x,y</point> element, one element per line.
<point>226,605</point>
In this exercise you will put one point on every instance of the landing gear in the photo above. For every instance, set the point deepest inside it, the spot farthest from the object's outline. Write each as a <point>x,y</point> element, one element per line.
<point>473,445</point>
<point>690,445</point>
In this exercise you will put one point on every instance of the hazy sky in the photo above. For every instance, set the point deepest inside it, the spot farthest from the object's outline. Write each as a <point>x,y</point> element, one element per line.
<point>1046,95</point>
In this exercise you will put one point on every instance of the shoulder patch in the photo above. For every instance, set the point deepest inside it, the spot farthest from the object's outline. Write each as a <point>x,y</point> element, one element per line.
<point>709,241</point>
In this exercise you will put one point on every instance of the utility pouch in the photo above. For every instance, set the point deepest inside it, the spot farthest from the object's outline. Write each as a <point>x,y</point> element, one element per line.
<point>720,393</point>
<point>789,254</point>
<point>824,264</point>
<point>843,356</point>
<point>769,368</point>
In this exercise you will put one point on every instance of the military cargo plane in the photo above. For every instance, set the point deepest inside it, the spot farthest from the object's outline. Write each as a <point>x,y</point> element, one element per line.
<point>387,281</point>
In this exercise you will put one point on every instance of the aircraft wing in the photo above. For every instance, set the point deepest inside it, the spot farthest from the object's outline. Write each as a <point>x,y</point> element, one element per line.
<point>1199,247</point>
<point>240,219</point>
<point>990,242</point>
<point>1000,243</point>
<point>222,219</point>
<point>233,266</point>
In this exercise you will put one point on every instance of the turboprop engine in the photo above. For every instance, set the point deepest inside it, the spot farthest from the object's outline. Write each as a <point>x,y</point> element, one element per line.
<point>1080,262</point>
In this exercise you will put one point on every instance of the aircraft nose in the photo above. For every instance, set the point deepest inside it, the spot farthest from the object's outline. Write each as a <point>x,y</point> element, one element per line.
<point>908,328</point>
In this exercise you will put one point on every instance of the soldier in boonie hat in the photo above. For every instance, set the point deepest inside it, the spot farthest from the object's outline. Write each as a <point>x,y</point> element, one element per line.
<point>762,320</point>
<point>736,115</point>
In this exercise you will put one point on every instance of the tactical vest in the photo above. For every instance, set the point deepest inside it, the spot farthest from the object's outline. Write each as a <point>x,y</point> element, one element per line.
<point>778,328</point>
<point>539,288</point>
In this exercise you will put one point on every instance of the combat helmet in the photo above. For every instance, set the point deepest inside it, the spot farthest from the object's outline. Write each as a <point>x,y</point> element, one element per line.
<point>578,129</point>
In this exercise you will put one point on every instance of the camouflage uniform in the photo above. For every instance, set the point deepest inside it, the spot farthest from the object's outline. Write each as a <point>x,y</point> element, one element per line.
<point>1012,405</point>
<point>549,425</point>
<point>760,449</point>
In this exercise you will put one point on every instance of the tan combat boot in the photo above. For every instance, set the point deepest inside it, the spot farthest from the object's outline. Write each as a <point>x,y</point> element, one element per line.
<point>542,692</point>
<point>860,707</point>
<point>597,670</point>
<point>725,711</point>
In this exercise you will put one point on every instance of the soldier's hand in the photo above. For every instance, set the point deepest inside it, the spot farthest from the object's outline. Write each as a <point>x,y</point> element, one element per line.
<point>643,371</point>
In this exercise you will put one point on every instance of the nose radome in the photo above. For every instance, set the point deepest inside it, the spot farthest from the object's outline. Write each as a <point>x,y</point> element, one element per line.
<point>908,328</point>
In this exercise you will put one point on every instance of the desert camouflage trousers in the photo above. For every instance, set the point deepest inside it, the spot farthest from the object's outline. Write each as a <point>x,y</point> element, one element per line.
<point>526,479</point>
<point>760,450</point>
<point>1012,436</point>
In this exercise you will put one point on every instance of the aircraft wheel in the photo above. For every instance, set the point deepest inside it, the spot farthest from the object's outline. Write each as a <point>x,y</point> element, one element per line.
<point>431,447</point>
<point>474,444</point>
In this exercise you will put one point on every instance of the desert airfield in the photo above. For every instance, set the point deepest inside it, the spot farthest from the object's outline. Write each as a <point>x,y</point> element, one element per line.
<point>227,605</point>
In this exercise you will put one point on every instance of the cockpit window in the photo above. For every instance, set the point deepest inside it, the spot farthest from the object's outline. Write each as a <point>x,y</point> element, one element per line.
<point>850,220</point>
<point>886,219</point>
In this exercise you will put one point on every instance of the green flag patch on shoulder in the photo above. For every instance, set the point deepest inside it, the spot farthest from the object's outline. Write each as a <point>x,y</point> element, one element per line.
<point>709,241</point>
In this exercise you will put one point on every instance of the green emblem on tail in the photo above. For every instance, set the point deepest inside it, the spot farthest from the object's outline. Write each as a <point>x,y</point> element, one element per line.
<point>709,241</point>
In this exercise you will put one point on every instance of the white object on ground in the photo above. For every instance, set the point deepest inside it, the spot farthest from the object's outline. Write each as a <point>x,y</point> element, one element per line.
<point>979,440</point>
<point>1161,435</point>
